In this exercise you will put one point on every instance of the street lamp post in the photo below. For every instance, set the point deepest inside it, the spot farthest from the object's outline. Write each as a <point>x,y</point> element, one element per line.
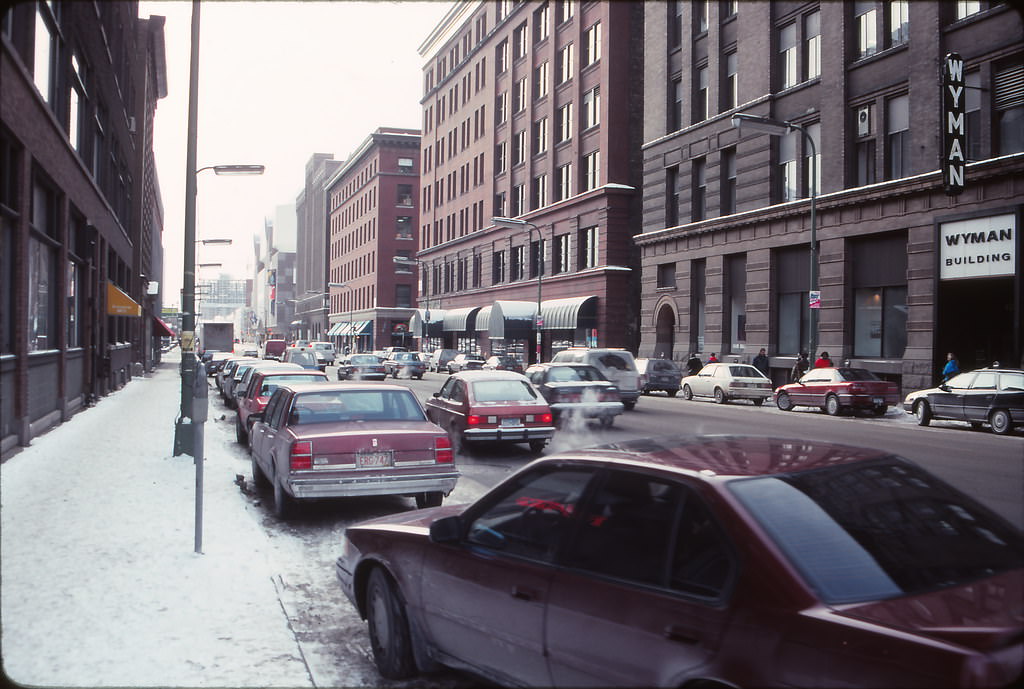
<point>518,224</point>
<point>404,261</point>
<point>779,128</point>
<point>188,429</point>
<point>350,305</point>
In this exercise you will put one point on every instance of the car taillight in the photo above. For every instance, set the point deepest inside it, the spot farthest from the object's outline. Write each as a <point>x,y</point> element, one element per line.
<point>301,455</point>
<point>443,450</point>
<point>474,420</point>
<point>857,389</point>
<point>545,418</point>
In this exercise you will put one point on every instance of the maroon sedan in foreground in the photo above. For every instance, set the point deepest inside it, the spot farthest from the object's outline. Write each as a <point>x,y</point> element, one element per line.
<point>714,561</point>
<point>836,390</point>
<point>333,440</point>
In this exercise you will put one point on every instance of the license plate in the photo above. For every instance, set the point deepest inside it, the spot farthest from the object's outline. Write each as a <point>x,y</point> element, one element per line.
<point>384,458</point>
<point>878,400</point>
<point>512,422</point>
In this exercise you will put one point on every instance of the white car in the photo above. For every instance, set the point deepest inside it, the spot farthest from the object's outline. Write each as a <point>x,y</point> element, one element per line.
<point>724,382</point>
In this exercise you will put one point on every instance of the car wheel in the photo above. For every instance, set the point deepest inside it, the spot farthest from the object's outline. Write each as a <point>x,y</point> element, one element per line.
<point>687,393</point>
<point>419,377</point>
<point>758,402</point>
<point>923,413</point>
<point>783,402</point>
<point>629,405</point>
<point>388,625</point>
<point>719,396</point>
<point>672,393</point>
<point>258,478</point>
<point>1000,420</point>
<point>538,445</point>
<point>282,502</point>
<point>432,499</point>
<point>880,410</point>
<point>832,407</point>
<point>240,435</point>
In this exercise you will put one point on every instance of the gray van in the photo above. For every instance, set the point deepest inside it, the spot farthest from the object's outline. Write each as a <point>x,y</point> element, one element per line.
<point>617,365</point>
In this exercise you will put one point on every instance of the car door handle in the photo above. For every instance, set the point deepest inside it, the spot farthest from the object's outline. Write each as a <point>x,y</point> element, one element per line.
<point>674,632</point>
<point>523,593</point>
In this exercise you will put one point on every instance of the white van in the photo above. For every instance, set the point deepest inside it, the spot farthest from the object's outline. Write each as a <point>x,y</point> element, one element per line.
<point>617,365</point>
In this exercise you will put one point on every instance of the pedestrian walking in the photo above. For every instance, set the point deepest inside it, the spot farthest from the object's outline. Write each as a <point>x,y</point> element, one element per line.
<point>951,368</point>
<point>799,368</point>
<point>761,362</point>
<point>823,361</point>
<point>693,365</point>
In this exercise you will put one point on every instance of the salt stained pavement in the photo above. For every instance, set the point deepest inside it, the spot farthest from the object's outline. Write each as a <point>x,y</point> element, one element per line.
<point>99,582</point>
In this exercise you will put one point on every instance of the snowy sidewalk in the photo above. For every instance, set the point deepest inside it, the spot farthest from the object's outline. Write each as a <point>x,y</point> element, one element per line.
<point>99,584</point>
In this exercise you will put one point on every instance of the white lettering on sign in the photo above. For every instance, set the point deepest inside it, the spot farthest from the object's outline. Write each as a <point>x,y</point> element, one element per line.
<point>954,134</point>
<point>980,247</point>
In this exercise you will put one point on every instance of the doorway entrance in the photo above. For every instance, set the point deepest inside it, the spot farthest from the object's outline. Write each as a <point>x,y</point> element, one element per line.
<point>979,321</point>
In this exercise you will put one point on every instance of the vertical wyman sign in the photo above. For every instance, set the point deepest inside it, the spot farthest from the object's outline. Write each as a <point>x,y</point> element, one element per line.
<point>954,130</point>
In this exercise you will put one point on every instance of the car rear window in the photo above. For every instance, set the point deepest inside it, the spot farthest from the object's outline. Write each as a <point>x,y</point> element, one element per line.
<point>857,374</point>
<point>301,358</point>
<point>882,529</point>
<point>1011,381</point>
<point>364,359</point>
<point>503,391</point>
<point>745,372</point>
<point>616,361</point>
<point>361,405</point>
<point>271,384</point>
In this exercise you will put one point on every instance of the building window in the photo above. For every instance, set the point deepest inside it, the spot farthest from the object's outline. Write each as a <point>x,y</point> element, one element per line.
<point>730,84</point>
<point>591,170</point>
<point>42,270</point>
<point>565,122</point>
<point>812,163</point>
<point>563,186</point>
<point>561,258</point>
<point>736,302</point>
<point>972,113</point>
<point>501,57</point>
<point>965,8</point>
<point>541,23</point>
<point>518,200</point>
<point>730,8</point>
<point>76,104</point>
<point>540,136</point>
<point>403,296</point>
<point>565,65</point>
<point>519,147</point>
<point>519,95</point>
<point>700,15</point>
<point>592,108</point>
<point>73,303</point>
<point>1008,91</point>
<point>700,96</point>
<point>864,19</point>
<point>897,137</point>
<point>788,181</point>
<point>879,280</point>
<point>539,192</point>
<point>792,274</point>
<point>728,181</point>
<point>899,22</point>
<point>500,157</point>
<point>477,271</point>
<point>564,10</point>
<point>675,111</point>
<point>787,55</point>
<point>518,264</point>
<point>540,81</point>
<point>536,258</point>
<point>675,24</point>
<point>699,191</point>
<point>667,275</point>
<point>519,45</point>
<point>500,201</point>
<point>588,248</point>
<point>501,108</point>
<point>672,196</point>
<point>698,304</point>
<point>405,164</point>
<point>43,72</point>
<point>592,45</point>
<point>498,267</point>
<point>404,194</point>
<point>812,45</point>
<point>403,227</point>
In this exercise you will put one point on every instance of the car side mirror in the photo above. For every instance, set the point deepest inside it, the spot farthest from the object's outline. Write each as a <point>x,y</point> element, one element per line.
<point>436,394</point>
<point>446,529</point>
<point>944,387</point>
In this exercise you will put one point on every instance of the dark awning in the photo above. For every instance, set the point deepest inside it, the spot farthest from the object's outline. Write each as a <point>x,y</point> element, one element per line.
<point>161,329</point>
<point>460,320</point>
<point>569,314</point>
<point>509,319</point>
<point>434,323</point>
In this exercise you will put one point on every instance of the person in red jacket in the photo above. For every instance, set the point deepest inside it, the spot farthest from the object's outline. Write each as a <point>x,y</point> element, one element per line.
<point>823,361</point>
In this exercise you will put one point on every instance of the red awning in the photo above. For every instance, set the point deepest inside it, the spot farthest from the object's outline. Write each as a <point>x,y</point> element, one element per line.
<point>161,329</point>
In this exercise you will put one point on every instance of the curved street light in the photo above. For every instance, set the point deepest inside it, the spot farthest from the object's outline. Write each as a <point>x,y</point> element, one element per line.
<point>517,224</point>
<point>350,305</point>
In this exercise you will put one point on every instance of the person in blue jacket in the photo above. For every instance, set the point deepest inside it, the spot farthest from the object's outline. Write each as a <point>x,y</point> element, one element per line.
<point>951,368</point>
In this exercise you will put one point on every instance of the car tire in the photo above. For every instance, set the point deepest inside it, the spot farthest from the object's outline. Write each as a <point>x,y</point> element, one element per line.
<point>879,411</point>
<point>672,393</point>
<point>606,421</point>
<point>283,505</point>
<point>431,499</point>
<point>1000,420</point>
<point>259,479</point>
<point>783,402</point>
<point>923,413</point>
<point>419,377</point>
<point>832,406</point>
<point>240,435</point>
<point>537,445</point>
<point>687,393</point>
<point>758,402</point>
<point>720,397</point>
<point>629,405</point>
<point>388,626</point>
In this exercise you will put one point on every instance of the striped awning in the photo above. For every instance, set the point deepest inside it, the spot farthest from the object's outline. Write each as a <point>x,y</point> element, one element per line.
<point>336,328</point>
<point>569,314</point>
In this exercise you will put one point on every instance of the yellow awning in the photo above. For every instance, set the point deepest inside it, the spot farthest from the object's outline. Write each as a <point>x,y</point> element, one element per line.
<point>119,303</point>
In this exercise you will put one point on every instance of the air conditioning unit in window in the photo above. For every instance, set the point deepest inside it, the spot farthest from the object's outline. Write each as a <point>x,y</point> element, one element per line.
<point>864,120</point>
<point>131,125</point>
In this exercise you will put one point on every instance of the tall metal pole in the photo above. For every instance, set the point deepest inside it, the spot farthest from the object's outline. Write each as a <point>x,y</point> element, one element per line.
<point>540,273</point>
<point>812,320</point>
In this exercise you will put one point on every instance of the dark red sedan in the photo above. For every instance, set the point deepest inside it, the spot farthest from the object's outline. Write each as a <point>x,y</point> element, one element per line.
<point>835,390</point>
<point>333,440</point>
<point>714,561</point>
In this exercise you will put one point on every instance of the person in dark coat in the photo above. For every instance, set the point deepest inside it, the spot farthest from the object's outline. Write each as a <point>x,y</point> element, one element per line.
<point>761,362</point>
<point>800,367</point>
<point>693,365</point>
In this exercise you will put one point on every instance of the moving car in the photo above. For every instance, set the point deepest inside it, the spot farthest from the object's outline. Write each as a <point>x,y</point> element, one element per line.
<point>439,358</point>
<point>334,440</point>
<point>361,367</point>
<point>659,374</point>
<point>715,561</point>
<point>465,362</point>
<point>405,365</point>
<point>724,382</point>
<point>835,390</point>
<point>273,349</point>
<point>303,356</point>
<point>617,365</point>
<point>503,362</point>
<point>259,389</point>
<point>577,391</point>
<point>989,395</point>
<point>492,405</point>
<point>324,352</point>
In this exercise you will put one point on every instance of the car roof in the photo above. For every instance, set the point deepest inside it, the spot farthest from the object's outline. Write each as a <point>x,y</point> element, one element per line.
<point>271,372</point>
<point>472,376</point>
<point>300,388</point>
<point>720,456</point>
<point>990,369</point>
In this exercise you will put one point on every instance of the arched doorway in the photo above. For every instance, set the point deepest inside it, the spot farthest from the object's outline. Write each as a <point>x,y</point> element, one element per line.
<point>665,331</point>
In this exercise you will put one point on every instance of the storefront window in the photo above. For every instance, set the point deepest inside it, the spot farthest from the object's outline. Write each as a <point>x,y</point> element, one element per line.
<point>697,304</point>
<point>40,296</point>
<point>73,304</point>
<point>880,322</point>
<point>792,275</point>
<point>736,274</point>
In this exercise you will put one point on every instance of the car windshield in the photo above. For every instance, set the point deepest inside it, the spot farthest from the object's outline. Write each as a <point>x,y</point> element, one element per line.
<point>364,359</point>
<point>357,405</point>
<point>561,374</point>
<point>745,372</point>
<point>881,529</point>
<point>503,391</point>
<point>271,384</point>
<point>407,356</point>
<point>857,374</point>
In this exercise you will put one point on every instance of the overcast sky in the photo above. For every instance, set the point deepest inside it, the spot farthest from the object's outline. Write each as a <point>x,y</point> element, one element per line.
<point>278,81</point>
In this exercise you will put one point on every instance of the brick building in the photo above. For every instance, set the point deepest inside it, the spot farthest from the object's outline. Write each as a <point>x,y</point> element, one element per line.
<point>726,241</point>
<point>80,212</point>
<point>531,111</point>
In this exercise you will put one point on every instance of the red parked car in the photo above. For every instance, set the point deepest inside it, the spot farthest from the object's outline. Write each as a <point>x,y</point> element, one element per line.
<point>492,405</point>
<point>699,561</point>
<point>334,440</point>
<point>835,390</point>
<point>260,388</point>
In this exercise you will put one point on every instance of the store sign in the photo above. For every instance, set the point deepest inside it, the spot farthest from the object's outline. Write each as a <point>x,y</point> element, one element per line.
<point>980,247</point>
<point>954,125</point>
